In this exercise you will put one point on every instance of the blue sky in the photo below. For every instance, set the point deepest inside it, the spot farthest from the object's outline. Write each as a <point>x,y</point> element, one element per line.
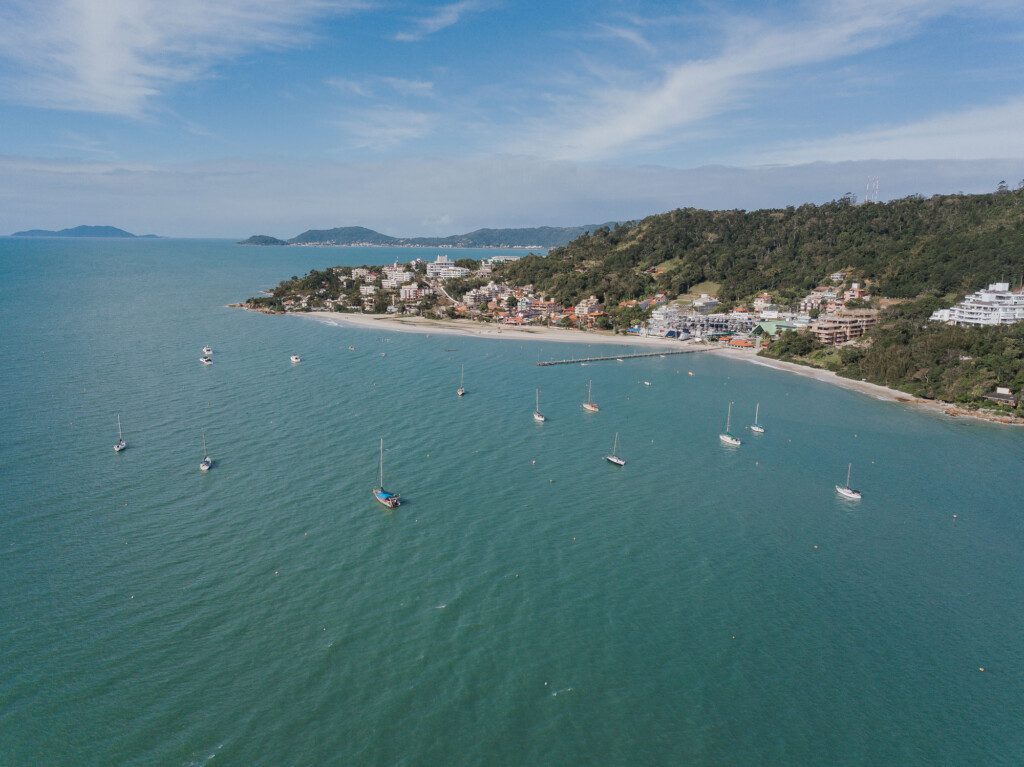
<point>225,118</point>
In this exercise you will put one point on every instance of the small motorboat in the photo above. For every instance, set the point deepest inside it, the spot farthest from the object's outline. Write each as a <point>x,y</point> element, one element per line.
<point>296,358</point>
<point>206,360</point>
<point>207,350</point>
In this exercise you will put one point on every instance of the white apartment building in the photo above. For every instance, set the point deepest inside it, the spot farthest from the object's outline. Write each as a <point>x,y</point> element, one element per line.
<point>398,272</point>
<point>367,290</point>
<point>443,269</point>
<point>995,305</point>
<point>412,292</point>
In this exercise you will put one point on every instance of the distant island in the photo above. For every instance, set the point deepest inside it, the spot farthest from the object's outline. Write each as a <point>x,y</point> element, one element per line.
<point>532,237</point>
<point>84,231</point>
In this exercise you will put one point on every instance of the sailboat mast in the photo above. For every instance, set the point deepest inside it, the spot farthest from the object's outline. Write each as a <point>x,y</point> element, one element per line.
<point>728,418</point>
<point>849,468</point>
<point>119,435</point>
<point>462,376</point>
<point>537,405</point>
<point>382,463</point>
<point>204,444</point>
<point>757,412</point>
<point>590,386</point>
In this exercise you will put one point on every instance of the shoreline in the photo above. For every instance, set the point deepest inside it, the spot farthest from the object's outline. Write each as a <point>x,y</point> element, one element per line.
<point>876,391</point>
<point>471,329</point>
<point>493,331</point>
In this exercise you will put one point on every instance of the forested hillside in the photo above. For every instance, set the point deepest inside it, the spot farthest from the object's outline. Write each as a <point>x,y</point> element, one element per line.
<point>913,246</point>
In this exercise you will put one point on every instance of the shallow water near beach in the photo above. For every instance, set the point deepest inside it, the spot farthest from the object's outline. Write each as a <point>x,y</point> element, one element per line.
<point>529,602</point>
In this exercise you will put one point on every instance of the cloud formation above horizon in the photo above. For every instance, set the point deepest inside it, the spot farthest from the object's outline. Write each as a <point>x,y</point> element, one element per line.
<point>531,91</point>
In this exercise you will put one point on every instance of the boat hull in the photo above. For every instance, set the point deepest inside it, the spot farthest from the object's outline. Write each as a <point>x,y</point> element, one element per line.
<point>539,417</point>
<point>848,492</point>
<point>590,407</point>
<point>757,429</point>
<point>205,464</point>
<point>731,441</point>
<point>616,460</point>
<point>120,446</point>
<point>386,499</point>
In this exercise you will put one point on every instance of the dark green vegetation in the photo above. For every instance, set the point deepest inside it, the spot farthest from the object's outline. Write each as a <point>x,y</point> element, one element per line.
<point>542,236</point>
<point>929,360</point>
<point>343,235</point>
<point>80,231</point>
<point>943,244</point>
<point>262,239</point>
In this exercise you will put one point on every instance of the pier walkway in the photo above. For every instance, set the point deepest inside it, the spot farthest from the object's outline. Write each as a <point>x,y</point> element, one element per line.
<point>663,353</point>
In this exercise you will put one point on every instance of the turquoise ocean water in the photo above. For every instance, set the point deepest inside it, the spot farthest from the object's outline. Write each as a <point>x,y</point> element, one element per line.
<point>529,603</point>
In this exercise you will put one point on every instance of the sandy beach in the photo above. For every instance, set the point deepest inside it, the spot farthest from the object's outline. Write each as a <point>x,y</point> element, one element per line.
<point>491,330</point>
<point>883,393</point>
<point>469,328</point>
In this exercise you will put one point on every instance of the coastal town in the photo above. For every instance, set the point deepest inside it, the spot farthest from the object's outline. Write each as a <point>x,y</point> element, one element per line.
<point>837,312</point>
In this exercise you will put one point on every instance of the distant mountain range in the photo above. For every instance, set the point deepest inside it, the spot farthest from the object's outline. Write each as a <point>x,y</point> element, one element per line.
<point>540,237</point>
<point>81,231</point>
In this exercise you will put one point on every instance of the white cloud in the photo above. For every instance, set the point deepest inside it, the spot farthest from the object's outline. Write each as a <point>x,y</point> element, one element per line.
<point>628,34</point>
<point>115,56</point>
<point>642,110</point>
<point>972,134</point>
<point>371,87</point>
<point>383,127</point>
<point>409,87</point>
<point>445,16</point>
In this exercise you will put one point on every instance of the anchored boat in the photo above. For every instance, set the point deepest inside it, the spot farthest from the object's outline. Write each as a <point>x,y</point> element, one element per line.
<point>120,444</point>
<point>845,490</point>
<point>726,436</point>
<point>391,500</point>
<point>756,427</point>
<point>537,415</point>
<point>614,457</point>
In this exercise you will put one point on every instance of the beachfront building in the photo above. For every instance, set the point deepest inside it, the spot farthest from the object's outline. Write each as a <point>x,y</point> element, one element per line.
<point>705,304</point>
<point>996,305</point>
<point>844,326</point>
<point>587,307</point>
<point>367,290</point>
<point>443,269</point>
<point>823,300</point>
<point>413,292</point>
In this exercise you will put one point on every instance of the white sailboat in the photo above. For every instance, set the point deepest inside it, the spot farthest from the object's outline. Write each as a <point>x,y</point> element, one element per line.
<point>462,380</point>
<point>207,462</point>
<point>385,498</point>
<point>537,415</point>
<point>756,427</point>
<point>845,490</point>
<point>726,436</point>
<point>614,457</point>
<point>120,444</point>
<point>590,406</point>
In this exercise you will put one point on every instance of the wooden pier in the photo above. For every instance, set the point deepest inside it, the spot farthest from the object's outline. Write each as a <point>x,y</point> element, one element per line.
<point>663,353</point>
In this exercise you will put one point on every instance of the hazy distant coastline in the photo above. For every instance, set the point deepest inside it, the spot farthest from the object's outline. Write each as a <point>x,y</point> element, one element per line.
<point>359,236</point>
<point>85,231</point>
